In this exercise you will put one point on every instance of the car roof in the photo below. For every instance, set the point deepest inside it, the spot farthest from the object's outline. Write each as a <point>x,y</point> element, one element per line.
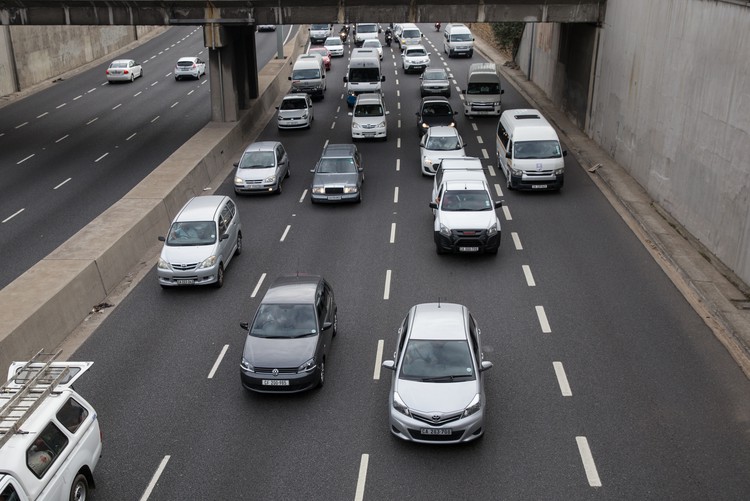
<point>432,99</point>
<point>370,97</point>
<point>294,95</point>
<point>442,131</point>
<point>415,46</point>
<point>334,39</point>
<point>293,289</point>
<point>338,151</point>
<point>262,146</point>
<point>201,208</point>
<point>436,70</point>
<point>438,321</point>
<point>461,163</point>
<point>462,185</point>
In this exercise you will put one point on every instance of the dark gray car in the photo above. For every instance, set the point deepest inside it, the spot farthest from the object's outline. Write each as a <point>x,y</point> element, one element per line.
<point>339,175</point>
<point>434,110</point>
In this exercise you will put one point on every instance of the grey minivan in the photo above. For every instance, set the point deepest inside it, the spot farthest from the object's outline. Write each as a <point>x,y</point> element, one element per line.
<point>339,175</point>
<point>203,238</point>
<point>262,168</point>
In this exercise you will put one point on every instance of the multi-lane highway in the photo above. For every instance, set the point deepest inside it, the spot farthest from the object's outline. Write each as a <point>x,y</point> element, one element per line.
<point>606,384</point>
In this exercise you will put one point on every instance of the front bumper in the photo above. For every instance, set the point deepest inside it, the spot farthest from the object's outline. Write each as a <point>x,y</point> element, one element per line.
<point>468,241</point>
<point>293,123</point>
<point>250,187</point>
<point>296,382</point>
<point>190,276</point>
<point>549,182</point>
<point>436,91</point>
<point>463,429</point>
<point>474,108</point>
<point>334,197</point>
<point>375,133</point>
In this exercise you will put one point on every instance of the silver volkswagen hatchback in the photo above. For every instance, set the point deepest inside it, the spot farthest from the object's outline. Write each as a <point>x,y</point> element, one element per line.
<point>202,240</point>
<point>262,168</point>
<point>437,390</point>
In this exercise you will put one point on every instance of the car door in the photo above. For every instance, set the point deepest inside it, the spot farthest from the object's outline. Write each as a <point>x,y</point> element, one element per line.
<point>323,310</point>
<point>282,161</point>
<point>201,67</point>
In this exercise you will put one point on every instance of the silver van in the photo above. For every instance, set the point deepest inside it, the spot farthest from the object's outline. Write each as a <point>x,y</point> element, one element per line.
<point>309,75</point>
<point>203,238</point>
<point>458,40</point>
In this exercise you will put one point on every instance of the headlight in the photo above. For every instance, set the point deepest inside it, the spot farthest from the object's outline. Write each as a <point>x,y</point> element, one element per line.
<point>350,189</point>
<point>444,230</point>
<point>473,407</point>
<point>559,172</point>
<point>427,161</point>
<point>381,124</point>
<point>208,262</point>
<point>307,366</point>
<point>425,125</point>
<point>245,365</point>
<point>163,265</point>
<point>453,124</point>
<point>492,230</point>
<point>399,405</point>
<point>355,125</point>
<point>304,116</point>
<point>517,172</point>
<point>318,190</point>
<point>239,181</point>
<point>270,179</point>
<point>497,103</point>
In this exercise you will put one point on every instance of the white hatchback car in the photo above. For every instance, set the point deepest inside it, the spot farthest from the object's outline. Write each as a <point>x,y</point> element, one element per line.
<point>191,67</point>
<point>124,70</point>
<point>335,46</point>
<point>439,142</point>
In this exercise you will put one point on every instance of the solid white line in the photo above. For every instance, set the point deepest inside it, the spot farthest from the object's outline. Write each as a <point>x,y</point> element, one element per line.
<point>516,240</point>
<point>588,462</point>
<point>491,169</point>
<point>257,286</point>
<point>393,232</point>
<point>543,319</point>
<point>562,379</point>
<point>43,114</point>
<point>13,215</point>
<point>155,119</point>
<point>498,190</point>
<point>378,360</point>
<point>101,157</point>
<point>218,361</point>
<point>56,187</point>
<point>485,154</point>
<point>480,140</point>
<point>398,164</point>
<point>474,126</point>
<point>529,277</point>
<point>65,136</point>
<point>360,494</point>
<point>304,194</point>
<point>20,125</point>
<point>92,121</point>
<point>131,136</point>
<point>22,161</point>
<point>288,227</point>
<point>175,104</point>
<point>60,106</point>
<point>117,106</point>
<point>155,478</point>
<point>387,291</point>
<point>395,195</point>
<point>506,213</point>
<point>398,142</point>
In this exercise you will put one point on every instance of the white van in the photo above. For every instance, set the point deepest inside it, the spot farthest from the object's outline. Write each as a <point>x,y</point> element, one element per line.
<point>50,441</point>
<point>458,40</point>
<point>369,117</point>
<point>363,75</point>
<point>309,75</point>
<point>483,90</point>
<point>529,152</point>
<point>365,31</point>
<point>409,34</point>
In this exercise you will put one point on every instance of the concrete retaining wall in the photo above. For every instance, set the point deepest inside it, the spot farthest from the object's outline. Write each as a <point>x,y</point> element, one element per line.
<point>40,308</point>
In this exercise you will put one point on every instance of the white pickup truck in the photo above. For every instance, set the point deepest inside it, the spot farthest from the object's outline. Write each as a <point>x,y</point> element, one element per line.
<point>50,441</point>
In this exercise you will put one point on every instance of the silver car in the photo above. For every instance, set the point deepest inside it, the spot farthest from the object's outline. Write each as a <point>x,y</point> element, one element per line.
<point>262,168</point>
<point>338,175</point>
<point>437,390</point>
<point>295,111</point>
<point>123,70</point>
<point>435,82</point>
<point>203,238</point>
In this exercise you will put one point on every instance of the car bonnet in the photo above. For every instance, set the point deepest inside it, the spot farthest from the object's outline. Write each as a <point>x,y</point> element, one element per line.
<point>440,397</point>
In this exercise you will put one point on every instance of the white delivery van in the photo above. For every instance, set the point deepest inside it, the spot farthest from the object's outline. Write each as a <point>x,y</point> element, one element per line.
<point>50,441</point>
<point>458,40</point>
<point>409,34</point>
<point>365,31</point>
<point>319,32</point>
<point>363,75</point>
<point>309,75</point>
<point>483,90</point>
<point>529,152</point>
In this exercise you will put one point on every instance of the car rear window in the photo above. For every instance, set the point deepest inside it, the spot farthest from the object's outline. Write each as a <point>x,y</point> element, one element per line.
<point>185,63</point>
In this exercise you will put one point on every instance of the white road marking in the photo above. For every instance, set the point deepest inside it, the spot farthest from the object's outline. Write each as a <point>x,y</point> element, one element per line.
<point>338,108</point>
<point>92,120</point>
<point>588,462</point>
<point>60,106</point>
<point>562,379</point>
<point>56,187</point>
<point>175,104</point>
<point>78,97</point>
<point>387,292</point>
<point>131,136</point>
<point>257,286</point>
<point>304,194</point>
<point>288,227</point>
<point>378,360</point>
<point>20,125</point>
<point>543,319</point>
<point>326,143</point>
<point>506,213</point>
<point>65,136</point>
<point>155,118</point>
<point>474,126</point>
<point>491,169</point>
<point>191,92</point>
<point>398,105</point>
<point>360,493</point>
<point>333,125</point>
<point>161,52</point>
<point>399,123</point>
<point>398,93</point>
<point>165,76</point>
<point>117,106</point>
<point>154,83</point>
<point>397,78</point>
<point>395,195</point>
<point>138,93</point>
<point>155,478</point>
<point>479,140</point>
<point>398,164</point>
<point>218,361</point>
<point>529,277</point>
<point>393,232</point>
<point>204,82</point>
<point>516,240</point>
<point>498,190</point>
<point>94,88</point>
<point>398,142</point>
<point>485,154</point>
<point>101,157</point>
<point>43,114</point>
<point>13,215</point>
<point>22,161</point>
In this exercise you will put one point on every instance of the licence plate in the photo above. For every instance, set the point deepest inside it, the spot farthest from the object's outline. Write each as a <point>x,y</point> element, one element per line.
<point>275,382</point>
<point>436,431</point>
<point>255,186</point>
<point>468,249</point>
<point>538,186</point>
<point>185,281</point>
<point>334,197</point>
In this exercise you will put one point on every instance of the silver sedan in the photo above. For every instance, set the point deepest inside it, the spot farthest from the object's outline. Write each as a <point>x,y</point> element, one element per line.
<point>124,70</point>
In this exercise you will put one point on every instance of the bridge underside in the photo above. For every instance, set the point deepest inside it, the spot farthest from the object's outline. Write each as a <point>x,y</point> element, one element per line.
<point>154,12</point>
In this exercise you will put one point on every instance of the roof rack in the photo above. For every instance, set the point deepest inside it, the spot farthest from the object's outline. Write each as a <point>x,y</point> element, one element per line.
<point>28,388</point>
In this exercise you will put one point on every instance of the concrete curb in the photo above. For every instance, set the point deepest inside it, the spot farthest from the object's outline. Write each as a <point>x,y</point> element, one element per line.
<point>710,293</point>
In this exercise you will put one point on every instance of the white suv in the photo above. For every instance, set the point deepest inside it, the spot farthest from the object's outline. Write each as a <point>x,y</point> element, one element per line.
<point>415,58</point>
<point>369,117</point>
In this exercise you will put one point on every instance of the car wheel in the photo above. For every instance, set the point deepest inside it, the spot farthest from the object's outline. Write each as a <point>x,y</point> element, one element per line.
<point>322,374</point>
<point>132,77</point>
<point>507,183</point>
<point>238,250</point>
<point>176,79</point>
<point>80,489</point>
<point>359,198</point>
<point>219,277</point>
<point>279,188</point>
<point>439,249</point>
<point>335,323</point>
<point>288,172</point>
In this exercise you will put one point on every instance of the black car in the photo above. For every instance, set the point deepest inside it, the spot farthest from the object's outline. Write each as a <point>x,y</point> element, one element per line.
<point>434,110</point>
<point>290,336</point>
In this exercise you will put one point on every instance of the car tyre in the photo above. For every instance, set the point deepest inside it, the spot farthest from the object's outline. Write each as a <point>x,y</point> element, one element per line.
<point>238,249</point>
<point>507,183</point>
<point>132,77</point>
<point>279,188</point>
<point>219,277</point>
<point>80,489</point>
<point>322,374</point>
<point>439,249</point>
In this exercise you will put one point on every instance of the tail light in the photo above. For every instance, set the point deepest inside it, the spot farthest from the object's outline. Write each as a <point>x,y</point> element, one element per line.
<point>124,72</point>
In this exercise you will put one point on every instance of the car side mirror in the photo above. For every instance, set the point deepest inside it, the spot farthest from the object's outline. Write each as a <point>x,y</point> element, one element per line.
<point>389,364</point>
<point>433,205</point>
<point>387,112</point>
<point>236,164</point>
<point>382,78</point>
<point>498,204</point>
<point>417,113</point>
<point>463,91</point>
<point>486,364</point>
<point>361,169</point>
<point>502,91</point>
<point>345,79</point>
<point>245,326</point>
<point>289,78</point>
<point>312,170</point>
<point>350,114</point>
<point>277,107</point>
<point>223,236</point>
<point>565,153</point>
<point>161,238</point>
<point>508,155</point>
<point>455,113</point>
<point>327,325</point>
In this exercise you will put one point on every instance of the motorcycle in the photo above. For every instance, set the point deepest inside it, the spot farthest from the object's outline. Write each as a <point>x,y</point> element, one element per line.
<point>344,33</point>
<point>388,38</point>
<point>437,26</point>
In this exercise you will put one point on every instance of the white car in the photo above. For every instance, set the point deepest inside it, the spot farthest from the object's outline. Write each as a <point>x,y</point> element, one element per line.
<point>191,67</point>
<point>335,46</point>
<point>415,58</point>
<point>439,142</point>
<point>369,117</point>
<point>374,43</point>
<point>124,70</point>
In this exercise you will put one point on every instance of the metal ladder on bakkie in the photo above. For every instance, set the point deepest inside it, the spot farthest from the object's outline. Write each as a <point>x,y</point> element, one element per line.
<point>27,389</point>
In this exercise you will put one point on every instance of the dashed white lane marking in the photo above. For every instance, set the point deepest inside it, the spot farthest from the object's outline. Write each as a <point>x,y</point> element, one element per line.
<point>78,97</point>
<point>64,137</point>
<point>378,360</point>
<point>543,319</point>
<point>154,83</point>
<point>491,170</point>
<point>60,106</point>
<point>21,125</point>
<point>325,144</point>
<point>218,361</point>
<point>562,379</point>
<point>393,233</point>
<point>117,106</point>
<point>94,88</point>
<point>138,93</point>
<point>155,118</point>
<point>175,104</point>
<point>361,478</point>
<point>333,125</point>
<point>529,277</point>
<point>395,195</point>
<point>398,164</point>
<point>191,92</point>
<point>338,108</point>
<point>131,136</point>
<point>101,157</point>
<point>92,120</point>
<point>485,154</point>
<point>480,140</point>
<point>43,114</point>
<point>498,190</point>
<point>257,286</point>
<point>155,478</point>
<point>204,82</point>
<point>165,76</point>
<point>399,123</point>
<point>396,80</point>
<point>398,142</point>
<point>304,194</point>
<point>588,462</point>
<point>288,227</point>
<point>387,291</point>
<point>516,240</point>
<point>398,93</point>
<point>506,213</point>
<point>13,215</point>
<point>474,126</point>
<point>22,161</point>
<point>56,187</point>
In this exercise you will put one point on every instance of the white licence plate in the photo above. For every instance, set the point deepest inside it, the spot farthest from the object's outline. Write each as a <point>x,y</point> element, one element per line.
<point>185,281</point>
<point>538,186</point>
<point>275,382</point>
<point>468,249</point>
<point>436,431</point>
<point>255,186</point>
<point>334,197</point>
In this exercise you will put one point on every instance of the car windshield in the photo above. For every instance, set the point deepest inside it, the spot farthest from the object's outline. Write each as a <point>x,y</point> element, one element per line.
<point>293,104</point>
<point>284,321</point>
<point>333,41</point>
<point>483,88</point>
<point>368,110</point>
<point>306,74</point>
<point>322,52</point>
<point>358,75</point>
<point>536,149</point>
<point>433,360</point>
<point>434,75</point>
<point>443,143</point>
<point>437,110</point>
<point>466,201</point>
<point>367,28</point>
<point>191,233</point>
<point>411,33</point>
<point>371,43</point>
<point>416,52</point>
<point>461,37</point>
<point>257,160</point>
<point>336,166</point>
<point>318,26</point>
